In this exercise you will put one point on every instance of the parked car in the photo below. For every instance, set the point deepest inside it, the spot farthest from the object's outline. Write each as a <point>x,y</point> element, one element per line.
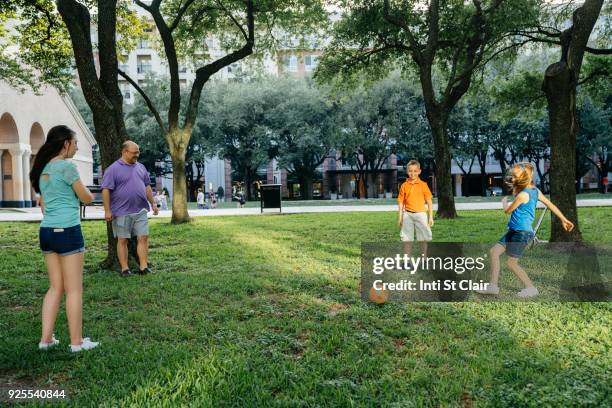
<point>494,191</point>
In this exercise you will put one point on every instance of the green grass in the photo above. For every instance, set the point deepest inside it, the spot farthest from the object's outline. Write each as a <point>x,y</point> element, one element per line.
<point>265,311</point>
<point>379,201</point>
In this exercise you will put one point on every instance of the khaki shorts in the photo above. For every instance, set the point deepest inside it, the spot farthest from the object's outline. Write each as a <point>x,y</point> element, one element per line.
<point>131,225</point>
<point>415,221</point>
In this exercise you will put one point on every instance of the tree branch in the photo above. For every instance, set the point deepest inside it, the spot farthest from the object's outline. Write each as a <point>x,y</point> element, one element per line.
<point>204,73</point>
<point>171,56</point>
<point>48,16</point>
<point>180,14</point>
<point>77,19</point>
<point>599,51</point>
<point>594,74</point>
<point>417,55</point>
<point>231,16</point>
<point>148,101</point>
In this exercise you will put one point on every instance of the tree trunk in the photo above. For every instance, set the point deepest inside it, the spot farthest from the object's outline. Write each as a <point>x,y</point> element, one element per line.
<point>248,181</point>
<point>444,182</point>
<point>306,187</point>
<point>178,151</point>
<point>483,173</point>
<point>561,96</point>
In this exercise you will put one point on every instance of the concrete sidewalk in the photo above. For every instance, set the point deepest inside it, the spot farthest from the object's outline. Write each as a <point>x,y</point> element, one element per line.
<point>96,213</point>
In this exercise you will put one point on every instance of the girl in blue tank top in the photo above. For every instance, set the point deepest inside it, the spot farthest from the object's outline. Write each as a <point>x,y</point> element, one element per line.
<point>520,228</point>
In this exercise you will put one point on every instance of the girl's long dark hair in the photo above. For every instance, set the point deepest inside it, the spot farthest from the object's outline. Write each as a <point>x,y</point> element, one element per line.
<point>53,145</point>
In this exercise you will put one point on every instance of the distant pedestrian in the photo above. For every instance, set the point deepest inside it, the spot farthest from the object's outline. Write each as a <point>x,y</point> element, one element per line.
<point>127,193</point>
<point>164,199</point>
<point>57,181</point>
<point>200,199</point>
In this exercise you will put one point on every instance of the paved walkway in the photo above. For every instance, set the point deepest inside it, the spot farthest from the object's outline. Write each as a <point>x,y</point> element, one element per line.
<point>96,213</point>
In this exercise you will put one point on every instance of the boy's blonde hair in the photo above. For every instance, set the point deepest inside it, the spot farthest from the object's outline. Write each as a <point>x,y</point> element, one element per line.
<point>519,176</point>
<point>413,163</point>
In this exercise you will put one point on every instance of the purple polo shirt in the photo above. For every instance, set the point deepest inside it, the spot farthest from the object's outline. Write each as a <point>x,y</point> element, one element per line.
<point>127,184</point>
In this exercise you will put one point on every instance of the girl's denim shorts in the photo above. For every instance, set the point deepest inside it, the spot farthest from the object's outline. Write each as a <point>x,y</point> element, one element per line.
<point>516,242</point>
<point>62,241</point>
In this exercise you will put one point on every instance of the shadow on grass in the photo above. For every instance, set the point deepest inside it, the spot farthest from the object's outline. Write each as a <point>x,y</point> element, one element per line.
<point>244,318</point>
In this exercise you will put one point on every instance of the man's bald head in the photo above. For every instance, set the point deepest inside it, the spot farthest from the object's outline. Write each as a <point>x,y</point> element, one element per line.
<point>130,152</point>
<point>128,144</point>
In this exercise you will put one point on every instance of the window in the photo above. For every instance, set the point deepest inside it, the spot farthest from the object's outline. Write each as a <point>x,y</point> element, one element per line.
<point>290,63</point>
<point>144,64</point>
<point>310,62</point>
<point>124,86</point>
<point>143,43</point>
<point>235,69</point>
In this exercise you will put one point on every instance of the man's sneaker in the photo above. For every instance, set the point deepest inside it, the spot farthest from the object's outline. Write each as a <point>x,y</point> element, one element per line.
<point>528,292</point>
<point>144,271</point>
<point>46,346</point>
<point>86,344</point>
<point>125,273</point>
<point>490,290</point>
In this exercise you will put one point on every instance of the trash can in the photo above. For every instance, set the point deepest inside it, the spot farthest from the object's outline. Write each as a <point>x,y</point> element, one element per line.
<point>270,196</point>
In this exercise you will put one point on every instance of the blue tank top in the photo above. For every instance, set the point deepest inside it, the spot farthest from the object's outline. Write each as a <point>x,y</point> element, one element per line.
<point>523,216</point>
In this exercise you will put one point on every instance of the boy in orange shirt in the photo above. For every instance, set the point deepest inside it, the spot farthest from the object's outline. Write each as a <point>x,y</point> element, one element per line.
<point>412,197</point>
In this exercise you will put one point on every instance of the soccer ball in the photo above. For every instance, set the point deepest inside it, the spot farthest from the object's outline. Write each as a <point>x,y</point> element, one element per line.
<point>379,296</point>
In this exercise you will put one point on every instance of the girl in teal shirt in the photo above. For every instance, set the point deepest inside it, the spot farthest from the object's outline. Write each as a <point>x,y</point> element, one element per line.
<point>61,240</point>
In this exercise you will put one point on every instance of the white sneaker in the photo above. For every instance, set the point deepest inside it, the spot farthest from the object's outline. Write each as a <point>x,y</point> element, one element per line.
<point>528,292</point>
<point>86,344</point>
<point>490,290</point>
<point>46,346</point>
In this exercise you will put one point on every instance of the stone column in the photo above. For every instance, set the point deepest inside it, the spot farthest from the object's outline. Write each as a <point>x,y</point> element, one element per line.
<point>458,179</point>
<point>1,178</point>
<point>27,188</point>
<point>17,165</point>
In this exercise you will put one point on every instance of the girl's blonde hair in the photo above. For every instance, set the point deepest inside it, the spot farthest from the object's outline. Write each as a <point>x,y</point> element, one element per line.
<point>519,176</point>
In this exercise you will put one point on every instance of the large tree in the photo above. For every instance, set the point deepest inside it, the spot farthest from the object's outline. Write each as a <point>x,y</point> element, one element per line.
<point>54,35</point>
<point>595,139</point>
<point>183,27</point>
<point>302,123</point>
<point>372,121</point>
<point>560,84</point>
<point>471,130</point>
<point>444,41</point>
<point>239,134</point>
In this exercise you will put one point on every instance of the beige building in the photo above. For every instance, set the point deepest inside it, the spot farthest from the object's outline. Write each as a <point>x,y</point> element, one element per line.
<point>25,119</point>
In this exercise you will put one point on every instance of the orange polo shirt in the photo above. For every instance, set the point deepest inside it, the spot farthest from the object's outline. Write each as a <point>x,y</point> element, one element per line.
<point>414,195</point>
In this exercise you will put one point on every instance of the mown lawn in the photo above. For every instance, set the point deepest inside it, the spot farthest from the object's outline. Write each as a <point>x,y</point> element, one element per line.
<point>378,201</point>
<point>260,311</point>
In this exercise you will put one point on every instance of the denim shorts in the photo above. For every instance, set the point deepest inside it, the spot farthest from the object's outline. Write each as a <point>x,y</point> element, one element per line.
<point>62,241</point>
<point>516,242</point>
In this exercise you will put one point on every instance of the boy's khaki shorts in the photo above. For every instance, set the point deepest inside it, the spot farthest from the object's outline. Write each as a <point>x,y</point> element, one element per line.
<point>415,221</point>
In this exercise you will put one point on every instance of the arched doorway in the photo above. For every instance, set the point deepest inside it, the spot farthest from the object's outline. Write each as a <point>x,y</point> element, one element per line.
<point>9,137</point>
<point>37,139</point>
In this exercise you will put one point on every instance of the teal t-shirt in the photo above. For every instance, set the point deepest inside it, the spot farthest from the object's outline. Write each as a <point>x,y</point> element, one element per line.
<point>61,204</point>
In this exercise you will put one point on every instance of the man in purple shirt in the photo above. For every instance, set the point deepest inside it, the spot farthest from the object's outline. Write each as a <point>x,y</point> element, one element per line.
<point>126,193</point>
